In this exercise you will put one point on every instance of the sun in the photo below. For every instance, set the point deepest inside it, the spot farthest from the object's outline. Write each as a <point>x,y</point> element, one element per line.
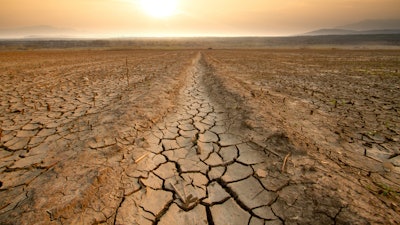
<point>160,8</point>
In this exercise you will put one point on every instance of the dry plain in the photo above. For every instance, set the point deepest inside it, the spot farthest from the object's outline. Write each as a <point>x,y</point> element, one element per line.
<point>296,136</point>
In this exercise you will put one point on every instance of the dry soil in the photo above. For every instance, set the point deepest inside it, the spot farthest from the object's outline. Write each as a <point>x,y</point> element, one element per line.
<point>200,137</point>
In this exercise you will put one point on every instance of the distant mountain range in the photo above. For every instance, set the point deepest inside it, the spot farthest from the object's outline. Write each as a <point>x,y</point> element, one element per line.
<point>360,28</point>
<point>36,32</point>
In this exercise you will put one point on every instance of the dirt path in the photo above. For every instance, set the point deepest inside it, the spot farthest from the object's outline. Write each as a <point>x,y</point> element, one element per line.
<point>197,172</point>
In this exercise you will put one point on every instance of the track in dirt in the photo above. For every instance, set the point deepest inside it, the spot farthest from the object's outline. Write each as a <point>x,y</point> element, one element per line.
<point>197,172</point>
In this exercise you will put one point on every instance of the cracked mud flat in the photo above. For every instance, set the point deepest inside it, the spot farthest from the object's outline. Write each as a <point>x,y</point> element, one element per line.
<point>178,142</point>
<point>194,171</point>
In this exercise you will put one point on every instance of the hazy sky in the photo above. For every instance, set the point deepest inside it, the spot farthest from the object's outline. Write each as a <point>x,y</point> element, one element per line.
<point>195,17</point>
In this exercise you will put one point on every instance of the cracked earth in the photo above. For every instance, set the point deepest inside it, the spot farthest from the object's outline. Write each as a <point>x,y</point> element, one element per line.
<point>169,143</point>
<point>194,171</point>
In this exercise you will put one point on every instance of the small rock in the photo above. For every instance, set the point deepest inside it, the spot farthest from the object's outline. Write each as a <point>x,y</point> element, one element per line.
<point>261,173</point>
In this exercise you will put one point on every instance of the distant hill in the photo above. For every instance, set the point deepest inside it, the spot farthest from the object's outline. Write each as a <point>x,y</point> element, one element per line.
<point>360,28</point>
<point>331,31</point>
<point>391,24</point>
<point>35,31</point>
<point>350,32</point>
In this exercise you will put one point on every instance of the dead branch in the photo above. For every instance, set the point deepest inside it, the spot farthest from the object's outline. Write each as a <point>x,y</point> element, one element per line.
<point>285,161</point>
<point>141,157</point>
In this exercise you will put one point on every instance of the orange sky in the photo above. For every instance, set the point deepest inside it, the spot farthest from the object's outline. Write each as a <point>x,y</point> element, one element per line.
<point>195,17</point>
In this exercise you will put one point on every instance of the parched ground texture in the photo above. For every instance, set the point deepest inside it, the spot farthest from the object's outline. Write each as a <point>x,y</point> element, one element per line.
<point>200,137</point>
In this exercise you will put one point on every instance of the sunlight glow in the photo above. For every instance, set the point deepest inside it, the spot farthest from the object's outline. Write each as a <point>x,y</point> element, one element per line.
<point>160,8</point>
